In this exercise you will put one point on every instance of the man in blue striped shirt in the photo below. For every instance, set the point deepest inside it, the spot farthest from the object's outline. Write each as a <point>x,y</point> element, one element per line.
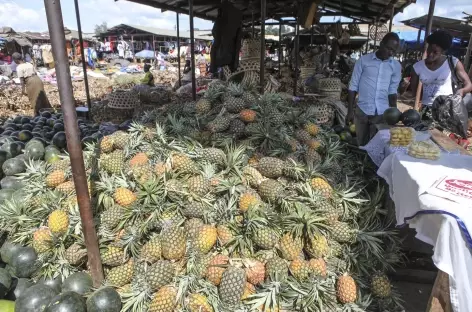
<point>375,78</point>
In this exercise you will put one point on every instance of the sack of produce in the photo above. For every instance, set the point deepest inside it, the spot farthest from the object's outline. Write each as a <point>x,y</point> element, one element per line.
<point>402,136</point>
<point>424,149</point>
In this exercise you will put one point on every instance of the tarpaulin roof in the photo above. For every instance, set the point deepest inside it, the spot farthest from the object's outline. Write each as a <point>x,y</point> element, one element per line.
<point>8,34</point>
<point>364,10</point>
<point>127,29</point>
<point>457,28</point>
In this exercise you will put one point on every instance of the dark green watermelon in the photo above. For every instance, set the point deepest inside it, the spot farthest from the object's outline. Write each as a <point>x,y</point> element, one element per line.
<point>11,183</point>
<point>23,262</point>
<point>105,299</point>
<point>54,283</point>
<point>25,120</point>
<point>18,287</point>
<point>35,151</point>
<point>58,127</point>
<point>60,140</point>
<point>13,149</point>
<point>46,115</point>
<point>35,299</point>
<point>79,282</point>
<point>6,195</point>
<point>67,302</point>
<point>13,166</point>
<point>17,120</point>
<point>392,115</point>
<point>25,135</point>
<point>338,129</point>
<point>5,139</point>
<point>4,155</point>
<point>35,141</point>
<point>8,250</point>
<point>52,154</point>
<point>5,282</point>
<point>28,127</point>
<point>410,117</point>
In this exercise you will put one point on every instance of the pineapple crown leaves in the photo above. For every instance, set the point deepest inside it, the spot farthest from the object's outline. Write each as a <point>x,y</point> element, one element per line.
<point>267,297</point>
<point>235,89</point>
<point>18,216</point>
<point>131,241</point>
<point>36,171</point>
<point>236,159</point>
<point>303,222</point>
<point>314,295</point>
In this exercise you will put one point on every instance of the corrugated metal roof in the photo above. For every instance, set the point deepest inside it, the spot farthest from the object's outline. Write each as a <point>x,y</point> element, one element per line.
<point>457,28</point>
<point>363,10</point>
<point>118,29</point>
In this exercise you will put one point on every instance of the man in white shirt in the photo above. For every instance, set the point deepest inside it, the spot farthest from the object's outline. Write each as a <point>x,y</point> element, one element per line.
<point>121,49</point>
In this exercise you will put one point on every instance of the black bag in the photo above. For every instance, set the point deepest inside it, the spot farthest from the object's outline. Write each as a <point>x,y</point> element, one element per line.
<point>450,113</point>
<point>456,82</point>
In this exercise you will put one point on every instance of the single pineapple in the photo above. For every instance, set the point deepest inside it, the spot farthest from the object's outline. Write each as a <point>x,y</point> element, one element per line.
<point>248,199</point>
<point>62,164</point>
<point>213,155</point>
<point>55,178</point>
<point>303,135</point>
<point>215,270</point>
<point>290,247</point>
<point>255,271</point>
<point>318,267</point>
<point>320,185</point>
<point>232,285</point>
<point>113,162</point>
<point>203,106</point>
<point>271,167</point>
<point>192,227</point>
<point>312,128</point>
<point>237,127</point>
<point>120,139</point>
<point>165,300</point>
<point>139,159</point>
<point>341,232</point>
<point>225,235</point>
<point>66,187</point>
<point>265,238</point>
<point>198,303</point>
<point>111,217</point>
<point>346,289</point>
<point>183,163</point>
<point>206,238</point>
<point>114,256</point>
<point>106,144</point>
<point>300,269</point>
<point>75,254</point>
<point>151,251</point>
<point>313,144</point>
<point>252,176</point>
<point>160,168</point>
<point>276,269</point>
<point>121,275</point>
<point>58,222</point>
<point>381,286</point>
<point>330,212</point>
<point>124,197</point>
<point>312,157</point>
<point>173,243</point>
<point>42,240</point>
<point>219,124</point>
<point>234,101</point>
<point>270,190</point>
<point>193,210</point>
<point>247,115</point>
<point>265,255</point>
<point>198,185</point>
<point>160,274</point>
<point>335,248</point>
<point>317,246</point>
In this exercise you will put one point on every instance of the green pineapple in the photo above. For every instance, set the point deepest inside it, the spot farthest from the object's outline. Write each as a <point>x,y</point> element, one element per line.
<point>214,155</point>
<point>114,256</point>
<point>194,210</point>
<point>120,139</point>
<point>271,167</point>
<point>270,190</point>
<point>113,163</point>
<point>237,127</point>
<point>112,216</point>
<point>121,275</point>
<point>276,269</point>
<point>252,176</point>
<point>76,254</point>
<point>234,100</point>
<point>160,274</point>
<point>232,284</point>
<point>265,238</point>
<point>198,185</point>
<point>192,227</point>
<point>219,124</point>
<point>341,232</point>
<point>317,246</point>
<point>290,247</point>
<point>173,243</point>
<point>151,251</point>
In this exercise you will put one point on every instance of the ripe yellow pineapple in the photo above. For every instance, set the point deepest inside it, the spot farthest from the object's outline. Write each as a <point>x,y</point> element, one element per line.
<point>346,289</point>
<point>66,187</point>
<point>317,247</point>
<point>290,247</point>
<point>206,238</point>
<point>318,267</point>
<point>322,186</point>
<point>151,251</point>
<point>300,269</point>
<point>198,185</point>
<point>173,243</point>
<point>214,270</point>
<point>124,197</point>
<point>249,290</point>
<point>55,178</point>
<point>248,200</point>
<point>106,144</point>
<point>255,271</point>
<point>224,234</point>
<point>113,256</point>
<point>247,115</point>
<point>312,129</point>
<point>42,240</point>
<point>58,222</point>
<point>313,144</point>
<point>165,300</point>
<point>121,275</point>
<point>160,168</point>
<point>183,163</point>
<point>198,303</point>
<point>138,160</point>
<point>381,286</point>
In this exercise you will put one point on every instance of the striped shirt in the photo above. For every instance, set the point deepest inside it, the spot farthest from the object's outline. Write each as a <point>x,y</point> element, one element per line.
<point>374,80</point>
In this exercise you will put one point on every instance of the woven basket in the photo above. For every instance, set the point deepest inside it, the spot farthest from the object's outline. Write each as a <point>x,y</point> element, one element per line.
<point>244,66</point>
<point>272,85</point>
<point>251,48</point>
<point>144,92</point>
<point>336,95</point>
<point>330,84</point>
<point>123,99</point>
<point>306,72</point>
<point>251,78</point>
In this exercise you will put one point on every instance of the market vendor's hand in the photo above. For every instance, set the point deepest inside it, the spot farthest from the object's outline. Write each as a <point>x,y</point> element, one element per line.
<point>349,118</point>
<point>460,92</point>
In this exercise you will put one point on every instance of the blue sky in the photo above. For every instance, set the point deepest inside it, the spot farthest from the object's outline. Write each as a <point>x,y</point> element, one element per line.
<point>29,14</point>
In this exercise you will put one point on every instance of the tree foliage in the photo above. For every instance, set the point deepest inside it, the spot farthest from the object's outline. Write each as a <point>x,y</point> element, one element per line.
<point>101,28</point>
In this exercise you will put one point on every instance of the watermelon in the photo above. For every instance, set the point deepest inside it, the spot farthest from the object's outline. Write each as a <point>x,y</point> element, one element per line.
<point>104,299</point>
<point>35,150</point>
<point>79,282</point>
<point>5,282</point>
<point>60,140</point>
<point>18,287</point>
<point>35,298</point>
<point>54,283</point>
<point>8,250</point>
<point>410,117</point>
<point>12,183</point>
<point>23,262</point>
<point>13,166</point>
<point>67,302</point>
<point>392,116</point>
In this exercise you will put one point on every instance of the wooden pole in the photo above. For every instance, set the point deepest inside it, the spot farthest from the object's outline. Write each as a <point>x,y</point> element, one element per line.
<point>263,48</point>
<point>192,52</point>
<point>429,25</point>
<point>468,54</point>
<point>64,83</point>
<point>178,49</point>
<point>391,19</point>
<point>297,55</point>
<point>280,47</point>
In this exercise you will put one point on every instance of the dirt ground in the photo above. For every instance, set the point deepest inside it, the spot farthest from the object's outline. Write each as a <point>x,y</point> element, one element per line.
<point>415,295</point>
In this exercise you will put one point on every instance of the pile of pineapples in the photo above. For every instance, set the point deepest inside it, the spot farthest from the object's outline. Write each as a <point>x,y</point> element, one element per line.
<point>233,203</point>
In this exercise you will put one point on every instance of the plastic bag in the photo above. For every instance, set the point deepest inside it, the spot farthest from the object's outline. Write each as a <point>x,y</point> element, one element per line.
<point>449,112</point>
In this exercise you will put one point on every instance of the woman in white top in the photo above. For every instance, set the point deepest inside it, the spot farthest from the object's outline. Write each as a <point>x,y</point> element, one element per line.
<point>31,84</point>
<point>435,73</point>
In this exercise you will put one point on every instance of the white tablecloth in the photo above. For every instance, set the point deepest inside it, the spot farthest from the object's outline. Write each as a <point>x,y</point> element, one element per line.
<point>440,222</point>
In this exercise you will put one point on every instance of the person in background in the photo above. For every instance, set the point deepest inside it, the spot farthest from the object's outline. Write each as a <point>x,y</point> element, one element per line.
<point>31,84</point>
<point>435,73</point>
<point>375,79</point>
<point>148,77</point>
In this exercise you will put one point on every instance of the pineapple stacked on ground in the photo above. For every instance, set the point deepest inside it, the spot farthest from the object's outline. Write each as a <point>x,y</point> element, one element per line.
<point>255,226</point>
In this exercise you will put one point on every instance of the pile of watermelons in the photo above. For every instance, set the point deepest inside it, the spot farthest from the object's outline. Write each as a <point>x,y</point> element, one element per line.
<point>38,138</point>
<point>18,293</point>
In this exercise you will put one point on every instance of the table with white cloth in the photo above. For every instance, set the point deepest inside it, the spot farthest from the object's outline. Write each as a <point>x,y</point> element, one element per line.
<point>435,198</point>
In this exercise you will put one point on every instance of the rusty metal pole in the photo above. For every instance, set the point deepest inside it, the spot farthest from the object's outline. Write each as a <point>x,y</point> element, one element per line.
<point>178,49</point>
<point>297,56</point>
<point>263,47</point>
<point>192,52</point>
<point>280,47</point>
<point>429,25</point>
<point>84,65</point>
<point>58,42</point>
